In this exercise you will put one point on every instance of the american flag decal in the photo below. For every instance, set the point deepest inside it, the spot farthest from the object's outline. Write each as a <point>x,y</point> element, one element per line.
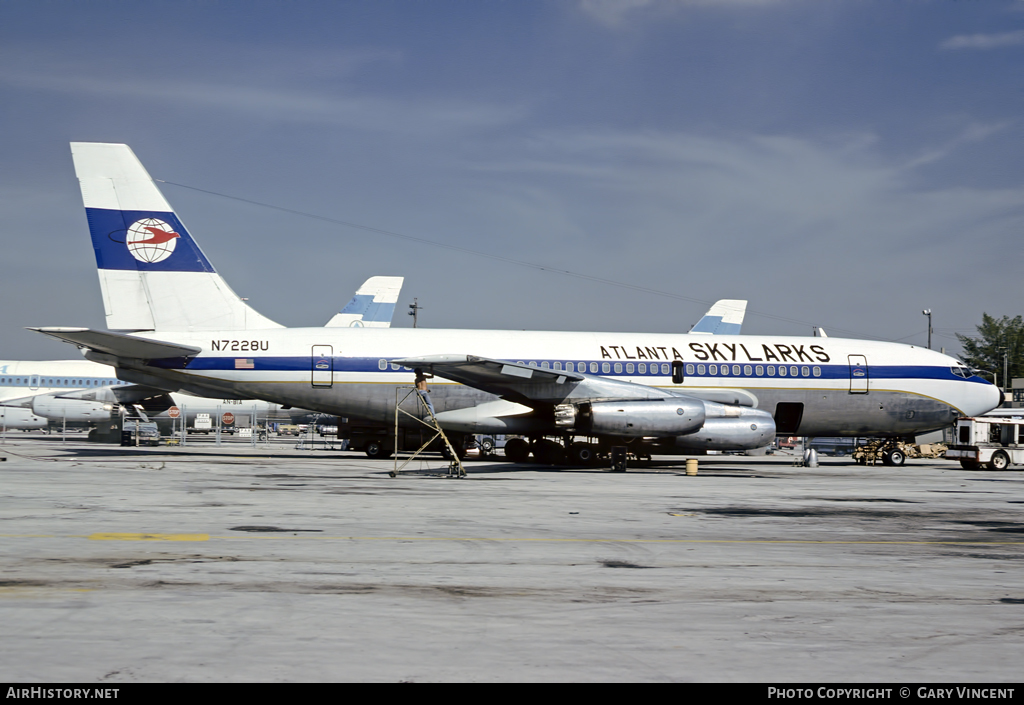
<point>246,364</point>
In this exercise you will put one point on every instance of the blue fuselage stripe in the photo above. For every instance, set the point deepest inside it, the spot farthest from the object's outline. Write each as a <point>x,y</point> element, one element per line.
<point>654,369</point>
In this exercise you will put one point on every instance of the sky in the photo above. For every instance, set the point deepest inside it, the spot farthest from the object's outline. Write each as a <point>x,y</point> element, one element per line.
<point>603,165</point>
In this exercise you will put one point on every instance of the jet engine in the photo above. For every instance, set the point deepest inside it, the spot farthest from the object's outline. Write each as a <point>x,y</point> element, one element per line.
<point>71,410</point>
<point>662,418</point>
<point>729,427</point>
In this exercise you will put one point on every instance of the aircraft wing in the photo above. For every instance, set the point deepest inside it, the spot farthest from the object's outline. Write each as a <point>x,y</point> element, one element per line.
<point>535,386</point>
<point>119,344</point>
<point>724,318</point>
<point>373,306</point>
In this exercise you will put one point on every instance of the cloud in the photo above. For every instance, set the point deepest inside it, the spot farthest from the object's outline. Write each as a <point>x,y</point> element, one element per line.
<point>975,132</point>
<point>338,108</point>
<point>984,41</point>
<point>613,13</point>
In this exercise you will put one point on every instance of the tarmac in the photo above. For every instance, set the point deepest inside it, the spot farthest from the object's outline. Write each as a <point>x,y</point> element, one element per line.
<point>243,563</point>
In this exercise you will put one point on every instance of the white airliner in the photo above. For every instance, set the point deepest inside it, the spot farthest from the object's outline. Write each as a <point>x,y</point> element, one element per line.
<point>33,393</point>
<point>78,391</point>
<point>176,325</point>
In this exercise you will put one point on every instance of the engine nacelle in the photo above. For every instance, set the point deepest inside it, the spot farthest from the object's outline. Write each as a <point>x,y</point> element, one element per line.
<point>20,417</point>
<point>742,429</point>
<point>668,417</point>
<point>72,410</point>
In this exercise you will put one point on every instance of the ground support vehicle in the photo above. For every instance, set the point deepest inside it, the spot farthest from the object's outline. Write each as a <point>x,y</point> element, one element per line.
<point>139,433</point>
<point>895,452</point>
<point>993,442</point>
<point>573,451</point>
<point>378,440</point>
<point>838,447</point>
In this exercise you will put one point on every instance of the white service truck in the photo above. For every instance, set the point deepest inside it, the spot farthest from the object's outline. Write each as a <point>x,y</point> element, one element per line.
<point>994,442</point>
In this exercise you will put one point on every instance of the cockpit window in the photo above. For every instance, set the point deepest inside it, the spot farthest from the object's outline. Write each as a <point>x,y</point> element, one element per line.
<point>959,371</point>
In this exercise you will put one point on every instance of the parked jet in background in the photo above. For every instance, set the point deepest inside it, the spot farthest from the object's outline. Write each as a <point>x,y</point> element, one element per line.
<point>652,392</point>
<point>14,417</point>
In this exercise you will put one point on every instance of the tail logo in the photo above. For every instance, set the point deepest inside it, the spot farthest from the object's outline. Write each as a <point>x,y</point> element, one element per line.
<point>151,240</point>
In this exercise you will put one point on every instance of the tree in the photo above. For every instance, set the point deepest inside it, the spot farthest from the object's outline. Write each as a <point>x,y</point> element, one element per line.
<point>995,336</point>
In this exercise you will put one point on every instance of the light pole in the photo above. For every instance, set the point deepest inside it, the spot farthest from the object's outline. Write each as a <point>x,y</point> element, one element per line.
<point>415,311</point>
<point>928,312</point>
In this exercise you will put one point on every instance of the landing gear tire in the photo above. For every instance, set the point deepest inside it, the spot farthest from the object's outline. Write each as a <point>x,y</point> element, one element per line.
<point>377,450</point>
<point>517,450</point>
<point>487,446</point>
<point>583,454</point>
<point>549,452</point>
<point>1000,461</point>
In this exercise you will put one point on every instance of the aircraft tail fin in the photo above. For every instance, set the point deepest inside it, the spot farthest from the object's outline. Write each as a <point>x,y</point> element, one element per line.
<point>152,273</point>
<point>725,317</point>
<point>373,306</point>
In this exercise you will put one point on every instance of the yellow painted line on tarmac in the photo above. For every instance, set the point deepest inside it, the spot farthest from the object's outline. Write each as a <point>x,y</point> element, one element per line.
<point>618,540</point>
<point>149,537</point>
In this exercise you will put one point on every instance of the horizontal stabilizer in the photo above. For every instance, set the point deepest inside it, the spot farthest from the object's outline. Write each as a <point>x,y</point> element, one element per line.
<point>119,344</point>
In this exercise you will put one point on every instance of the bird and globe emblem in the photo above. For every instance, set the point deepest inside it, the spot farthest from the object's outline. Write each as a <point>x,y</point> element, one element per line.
<point>151,240</point>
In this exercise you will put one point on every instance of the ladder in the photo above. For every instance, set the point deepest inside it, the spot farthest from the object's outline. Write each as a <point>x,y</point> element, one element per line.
<point>425,416</point>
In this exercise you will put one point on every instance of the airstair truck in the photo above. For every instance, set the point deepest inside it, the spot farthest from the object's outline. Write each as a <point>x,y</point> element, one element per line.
<point>993,442</point>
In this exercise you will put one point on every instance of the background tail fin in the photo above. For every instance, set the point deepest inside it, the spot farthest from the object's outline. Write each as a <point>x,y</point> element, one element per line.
<point>724,318</point>
<point>373,306</point>
<point>152,273</point>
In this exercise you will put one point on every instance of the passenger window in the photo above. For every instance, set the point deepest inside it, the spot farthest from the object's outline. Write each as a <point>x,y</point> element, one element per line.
<point>759,370</point>
<point>713,369</point>
<point>701,369</point>
<point>642,367</point>
<point>792,371</point>
<point>382,364</point>
<point>664,368</point>
<point>606,367</point>
<point>805,371</point>
<point>593,368</point>
<point>817,371</point>
<point>629,368</point>
<point>689,369</point>
<point>782,370</point>
<point>558,365</point>
<point>545,365</point>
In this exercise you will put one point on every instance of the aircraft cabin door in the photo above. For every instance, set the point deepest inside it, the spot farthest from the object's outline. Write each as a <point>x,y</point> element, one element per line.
<point>858,374</point>
<point>322,365</point>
